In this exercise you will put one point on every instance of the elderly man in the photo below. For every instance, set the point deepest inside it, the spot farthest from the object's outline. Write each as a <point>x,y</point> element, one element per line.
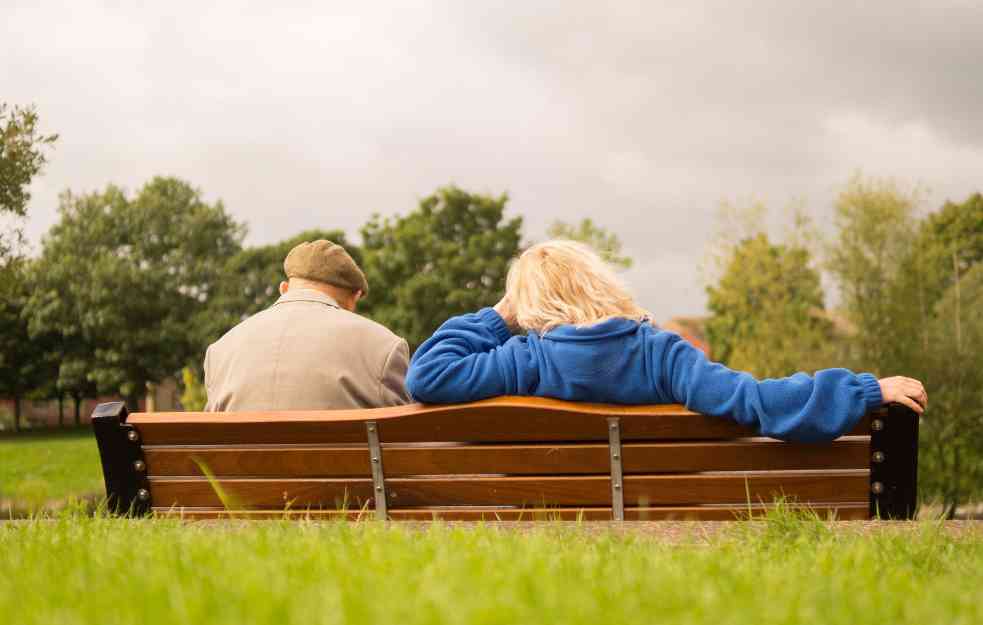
<point>309,350</point>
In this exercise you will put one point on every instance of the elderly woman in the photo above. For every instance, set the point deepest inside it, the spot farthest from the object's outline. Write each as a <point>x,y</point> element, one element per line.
<point>587,340</point>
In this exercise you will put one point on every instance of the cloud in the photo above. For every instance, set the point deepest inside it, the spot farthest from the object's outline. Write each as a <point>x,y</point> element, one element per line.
<point>641,115</point>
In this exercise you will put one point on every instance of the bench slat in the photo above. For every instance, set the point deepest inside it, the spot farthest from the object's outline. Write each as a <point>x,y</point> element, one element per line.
<point>503,420</point>
<point>735,488</point>
<point>842,511</point>
<point>336,461</point>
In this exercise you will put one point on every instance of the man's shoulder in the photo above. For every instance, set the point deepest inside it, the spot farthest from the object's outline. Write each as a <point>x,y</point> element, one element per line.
<point>368,327</point>
<point>321,321</point>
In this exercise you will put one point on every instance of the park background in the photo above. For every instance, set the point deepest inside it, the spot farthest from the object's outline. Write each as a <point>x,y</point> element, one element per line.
<point>792,188</point>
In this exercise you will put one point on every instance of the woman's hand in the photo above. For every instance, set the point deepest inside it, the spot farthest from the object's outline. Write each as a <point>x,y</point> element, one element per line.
<point>907,391</point>
<point>506,311</point>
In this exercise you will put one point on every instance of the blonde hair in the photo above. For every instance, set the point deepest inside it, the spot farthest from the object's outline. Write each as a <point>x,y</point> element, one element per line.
<point>566,283</point>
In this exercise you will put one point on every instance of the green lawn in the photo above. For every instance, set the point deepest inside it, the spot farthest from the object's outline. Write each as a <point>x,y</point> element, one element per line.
<point>104,571</point>
<point>38,468</point>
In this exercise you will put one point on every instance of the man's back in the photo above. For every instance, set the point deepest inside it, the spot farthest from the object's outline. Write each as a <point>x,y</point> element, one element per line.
<point>305,352</point>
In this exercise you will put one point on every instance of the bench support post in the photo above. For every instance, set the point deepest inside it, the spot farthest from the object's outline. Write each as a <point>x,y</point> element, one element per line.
<point>894,463</point>
<point>378,475</point>
<point>617,477</point>
<point>123,466</point>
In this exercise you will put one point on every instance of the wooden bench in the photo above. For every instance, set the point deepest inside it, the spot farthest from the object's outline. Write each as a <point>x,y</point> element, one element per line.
<point>510,458</point>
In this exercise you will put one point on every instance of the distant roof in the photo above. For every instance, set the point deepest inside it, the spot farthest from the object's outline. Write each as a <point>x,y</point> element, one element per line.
<point>693,329</point>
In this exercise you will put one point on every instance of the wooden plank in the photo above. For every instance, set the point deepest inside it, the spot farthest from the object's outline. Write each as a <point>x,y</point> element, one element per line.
<point>259,461</point>
<point>556,459</point>
<point>842,511</point>
<point>503,419</point>
<point>644,490</point>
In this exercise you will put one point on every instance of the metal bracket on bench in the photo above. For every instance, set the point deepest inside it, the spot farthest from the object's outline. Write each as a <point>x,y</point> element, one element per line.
<point>123,466</point>
<point>894,463</point>
<point>617,477</point>
<point>378,475</point>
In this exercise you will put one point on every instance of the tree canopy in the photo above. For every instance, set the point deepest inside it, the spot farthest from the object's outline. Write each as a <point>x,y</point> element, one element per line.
<point>448,257</point>
<point>127,277</point>
<point>25,364</point>
<point>605,243</point>
<point>767,310</point>
<point>22,157</point>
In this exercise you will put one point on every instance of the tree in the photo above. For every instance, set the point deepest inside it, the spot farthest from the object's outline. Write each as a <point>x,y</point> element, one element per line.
<point>954,230</point>
<point>448,257</point>
<point>944,275</point>
<point>953,371</point>
<point>605,243</point>
<point>127,277</point>
<point>24,365</point>
<point>876,222</point>
<point>767,312</point>
<point>22,157</point>
<point>250,282</point>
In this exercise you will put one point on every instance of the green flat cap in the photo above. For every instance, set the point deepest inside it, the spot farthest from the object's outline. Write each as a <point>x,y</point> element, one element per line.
<point>324,261</point>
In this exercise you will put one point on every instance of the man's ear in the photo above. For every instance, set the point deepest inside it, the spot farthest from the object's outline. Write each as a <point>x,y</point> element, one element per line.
<point>353,302</point>
<point>284,287</point>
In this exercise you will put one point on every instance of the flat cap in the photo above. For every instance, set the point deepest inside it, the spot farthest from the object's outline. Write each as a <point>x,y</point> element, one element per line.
<point>324,261</point>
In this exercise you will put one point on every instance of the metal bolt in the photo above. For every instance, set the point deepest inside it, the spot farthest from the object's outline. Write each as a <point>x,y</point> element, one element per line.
<point>378,489</point>
<point>877,425</point>
<point>877,488</point>
<point>133,436</point>
<point>371,428</point>
<point>614,426</point>
<point>617,487</point>
<point>143,494</point>
<point>615,456</point>
<point>374,459</point>
<point>878,456</point>
<point>139,465</point>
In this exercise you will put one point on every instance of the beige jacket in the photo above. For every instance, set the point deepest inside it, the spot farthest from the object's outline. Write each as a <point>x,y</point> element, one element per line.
<point>306,352</point>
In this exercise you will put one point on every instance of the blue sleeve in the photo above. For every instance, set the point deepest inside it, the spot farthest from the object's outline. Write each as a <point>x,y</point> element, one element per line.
<point>468,358</point>
<point>798,408</point>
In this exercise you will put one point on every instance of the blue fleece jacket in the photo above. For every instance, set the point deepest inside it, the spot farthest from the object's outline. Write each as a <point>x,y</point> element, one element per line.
<point>474,357</point>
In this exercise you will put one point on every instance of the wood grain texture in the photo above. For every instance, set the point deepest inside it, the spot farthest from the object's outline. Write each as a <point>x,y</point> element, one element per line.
<point>843,511</point>
<point>564,491</point>
<point>503,419</point>
<point>543,459</point>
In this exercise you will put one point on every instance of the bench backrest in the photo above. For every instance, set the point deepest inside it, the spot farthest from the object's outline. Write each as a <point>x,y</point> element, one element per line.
<point>507,458</point>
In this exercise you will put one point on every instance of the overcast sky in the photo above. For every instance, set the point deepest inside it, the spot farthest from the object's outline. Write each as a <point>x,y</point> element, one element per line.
<point>641,115</point>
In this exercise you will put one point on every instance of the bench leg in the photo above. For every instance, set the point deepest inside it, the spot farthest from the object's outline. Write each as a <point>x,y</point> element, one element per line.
<point>894,464</point>
<point>123,466</point>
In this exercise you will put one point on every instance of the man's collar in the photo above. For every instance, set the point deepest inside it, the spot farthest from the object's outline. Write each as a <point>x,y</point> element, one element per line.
<point>307,295</point>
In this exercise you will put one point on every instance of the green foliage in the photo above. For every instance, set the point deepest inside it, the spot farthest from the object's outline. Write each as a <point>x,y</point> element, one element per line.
<point>605,243</point>
<point>780,572</point>
<point>767,311</point>
<point>875,223</point>
<point>251,280</point>
<point>25,364</point>
<point>448,257</point>
<point>22,157</point>
<point>949,242</point>
<point>913,293</point>
<point>953,371</point>
<point>125,279</point>
<point>194,394</point>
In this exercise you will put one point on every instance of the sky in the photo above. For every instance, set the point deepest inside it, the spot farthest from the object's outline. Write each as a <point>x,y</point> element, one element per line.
<point>644,116</point>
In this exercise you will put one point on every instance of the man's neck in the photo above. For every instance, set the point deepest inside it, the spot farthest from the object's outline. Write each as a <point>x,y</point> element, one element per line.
<point>341,296</point>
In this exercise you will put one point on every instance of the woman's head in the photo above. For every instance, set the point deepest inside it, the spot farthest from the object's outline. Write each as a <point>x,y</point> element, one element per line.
<point>565,282</point>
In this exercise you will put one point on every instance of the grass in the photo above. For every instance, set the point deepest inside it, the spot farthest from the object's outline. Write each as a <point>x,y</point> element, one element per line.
<point>37,468</point>
<point>787,570</point>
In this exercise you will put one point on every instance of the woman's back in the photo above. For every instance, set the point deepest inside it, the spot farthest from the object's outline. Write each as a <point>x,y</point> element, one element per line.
<point>474,357</point>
